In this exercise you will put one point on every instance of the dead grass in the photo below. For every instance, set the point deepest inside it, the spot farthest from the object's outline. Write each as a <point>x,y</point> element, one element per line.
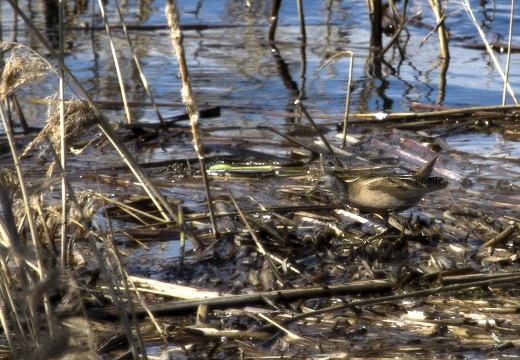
<point>22,67</point>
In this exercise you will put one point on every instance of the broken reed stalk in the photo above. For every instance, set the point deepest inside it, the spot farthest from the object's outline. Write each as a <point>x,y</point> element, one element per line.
<point>20,344</point>
<point>19,111</point>
<point>347,100</point>
<point>173,17</point>
<point>158,199</point>
<point>116,61</point>
<point>292,336</point>
<point>380,117</point>
<point>138,65</point>
<point>273,19</point>
<point>500,238</point>
<point>403,26</point>
<point>302,109</point>
<point>490,51</point>
<point>142,301</point>
<point>440,16</point>
<point>509,43</point>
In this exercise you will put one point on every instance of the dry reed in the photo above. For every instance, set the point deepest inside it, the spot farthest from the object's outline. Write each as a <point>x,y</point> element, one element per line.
<point>21,67</point>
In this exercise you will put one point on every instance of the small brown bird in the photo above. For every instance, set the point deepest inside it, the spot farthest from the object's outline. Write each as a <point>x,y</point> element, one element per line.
<point>383,194</point>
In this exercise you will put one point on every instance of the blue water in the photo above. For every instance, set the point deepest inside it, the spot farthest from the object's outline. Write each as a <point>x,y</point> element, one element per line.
<point>234,67</point>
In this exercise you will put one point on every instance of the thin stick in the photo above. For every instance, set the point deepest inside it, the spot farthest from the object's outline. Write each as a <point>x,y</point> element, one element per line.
<point>19,111</point>
<point>347,100</point>
<point>409,295</point>
<point>138,65</point>
<point>32,228</point>
<point>116,61</point>
<point>509,42</point>
<point>155,195</point>
<point>273,18</point>
<point>311,120</point>
<point>443,39</point>
<point>301,19</point>
<point>172,15</point>
<point>291,335</point>
<point>467,7</point>
<point>63,155</point>
<point>118,267</point>
<point>500,238</point>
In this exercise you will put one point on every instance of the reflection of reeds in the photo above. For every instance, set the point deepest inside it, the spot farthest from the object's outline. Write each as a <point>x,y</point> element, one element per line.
<point>490,51</point>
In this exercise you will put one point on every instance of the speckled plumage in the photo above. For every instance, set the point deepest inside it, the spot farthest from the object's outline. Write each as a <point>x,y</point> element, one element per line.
<point>383,194</point>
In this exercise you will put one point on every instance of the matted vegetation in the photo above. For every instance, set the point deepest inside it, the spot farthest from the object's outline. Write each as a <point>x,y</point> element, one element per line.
<point>268,270</point>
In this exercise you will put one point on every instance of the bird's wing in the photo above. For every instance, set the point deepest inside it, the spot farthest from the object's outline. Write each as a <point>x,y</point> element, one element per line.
<point>399,187</point>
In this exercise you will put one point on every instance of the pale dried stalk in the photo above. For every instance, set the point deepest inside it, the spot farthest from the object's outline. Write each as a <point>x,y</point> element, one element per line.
<point>22,67</point>
<point>116,62</point>
<point>467,7</point>
<point>155,195</point>
<point>172,15</point>
<point>440,16</point>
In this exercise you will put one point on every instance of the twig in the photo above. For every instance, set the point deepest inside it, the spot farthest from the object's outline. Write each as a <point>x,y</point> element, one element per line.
<point>503,236</point>
<point>117,267</point>
<point>273,18</point>
<point>63,141</point>
<point>408,295</point>
<point>92,242</point>
<point>32,228</point>
<point>367,287</point>
<point>301,20</point>
<point>182,241</point>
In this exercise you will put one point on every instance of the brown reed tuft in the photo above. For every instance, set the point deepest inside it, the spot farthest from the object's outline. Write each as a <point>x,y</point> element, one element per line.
<point>78,118</point>
<point>21,67</point>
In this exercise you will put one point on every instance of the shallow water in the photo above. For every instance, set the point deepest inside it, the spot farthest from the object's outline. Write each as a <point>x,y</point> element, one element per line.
<point>233,66</point>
